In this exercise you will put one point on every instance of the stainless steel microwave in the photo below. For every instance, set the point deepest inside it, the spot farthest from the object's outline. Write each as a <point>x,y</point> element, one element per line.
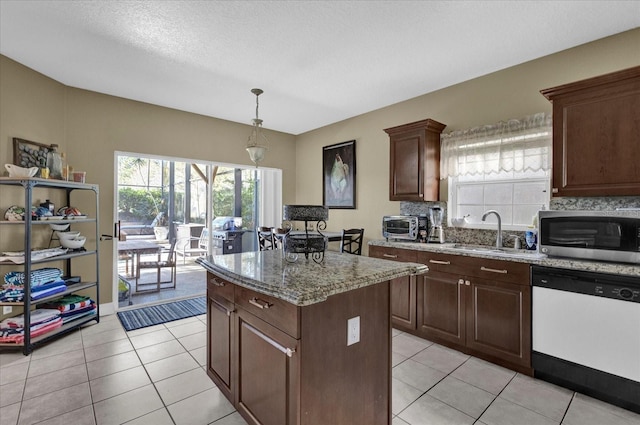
<point>591,235</point>
<point>401,227</point>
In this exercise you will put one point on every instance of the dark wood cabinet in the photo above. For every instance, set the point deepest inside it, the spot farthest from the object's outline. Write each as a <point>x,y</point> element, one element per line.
<point>414,162</point>
<point>267,372</point>
<point>441,313</point>
<point>403,289</point>
<point>220,328</point>
<point>596,149</point>
<point>282,364</point>
<point>497,320</point>
<point>477,305</point>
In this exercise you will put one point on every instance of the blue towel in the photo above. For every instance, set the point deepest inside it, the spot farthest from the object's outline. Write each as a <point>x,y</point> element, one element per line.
<point>38,277</point>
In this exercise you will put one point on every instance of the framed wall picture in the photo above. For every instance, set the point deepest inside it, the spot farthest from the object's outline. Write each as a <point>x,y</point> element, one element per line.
<point>339,175</point>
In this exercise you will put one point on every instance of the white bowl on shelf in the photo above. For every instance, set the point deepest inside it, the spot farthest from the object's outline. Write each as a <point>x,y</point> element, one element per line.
<point>74,243</point>
<point>67,235</point>
<point>17,171</point>
<point>59,227</point>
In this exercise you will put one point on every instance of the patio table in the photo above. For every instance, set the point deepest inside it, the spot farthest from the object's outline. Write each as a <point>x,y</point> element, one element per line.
<point>136,248</point>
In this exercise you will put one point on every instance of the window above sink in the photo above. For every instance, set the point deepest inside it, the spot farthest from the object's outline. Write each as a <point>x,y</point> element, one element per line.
<point>504,167</point>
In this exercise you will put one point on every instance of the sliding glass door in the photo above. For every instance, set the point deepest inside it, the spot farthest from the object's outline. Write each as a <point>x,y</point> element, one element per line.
<point>169,202</point>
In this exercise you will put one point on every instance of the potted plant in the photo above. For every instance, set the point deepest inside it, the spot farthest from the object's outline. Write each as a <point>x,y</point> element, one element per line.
<point>160,226</point>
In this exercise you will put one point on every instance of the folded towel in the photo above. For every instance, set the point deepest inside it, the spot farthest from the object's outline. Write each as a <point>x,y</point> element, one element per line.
<point>38,277</point>
<point>69,303</point>
<point>40,315</point>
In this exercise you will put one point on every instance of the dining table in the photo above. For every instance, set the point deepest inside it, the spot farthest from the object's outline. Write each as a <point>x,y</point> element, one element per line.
<point>331,236</point>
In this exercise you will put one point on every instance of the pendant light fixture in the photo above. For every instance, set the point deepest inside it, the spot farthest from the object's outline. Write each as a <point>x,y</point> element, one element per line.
<point>257,142</point>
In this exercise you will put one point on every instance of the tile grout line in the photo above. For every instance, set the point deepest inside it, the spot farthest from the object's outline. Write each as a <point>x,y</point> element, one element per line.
<point>86,369</point>
<point>149,376</point>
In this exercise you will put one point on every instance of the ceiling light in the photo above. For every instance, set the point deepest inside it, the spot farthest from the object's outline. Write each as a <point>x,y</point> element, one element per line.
<point>257,142</point>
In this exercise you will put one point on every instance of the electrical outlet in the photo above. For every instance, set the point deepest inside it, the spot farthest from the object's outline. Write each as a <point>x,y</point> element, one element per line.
<point>353,330</point>
<point>7,309</point>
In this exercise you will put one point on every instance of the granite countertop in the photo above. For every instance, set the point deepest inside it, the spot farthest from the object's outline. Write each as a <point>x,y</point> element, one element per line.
<point>523,257</point>
<point>305,282</point>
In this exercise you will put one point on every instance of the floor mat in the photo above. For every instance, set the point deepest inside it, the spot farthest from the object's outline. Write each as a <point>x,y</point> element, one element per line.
<point>162,313</point>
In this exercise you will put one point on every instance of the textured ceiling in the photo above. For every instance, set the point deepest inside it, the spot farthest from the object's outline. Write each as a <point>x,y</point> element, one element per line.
<point>318,62</point>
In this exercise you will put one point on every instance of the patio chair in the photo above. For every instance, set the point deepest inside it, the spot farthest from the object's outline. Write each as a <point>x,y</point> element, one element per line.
<point>169,261</point>
<point>184,244</point>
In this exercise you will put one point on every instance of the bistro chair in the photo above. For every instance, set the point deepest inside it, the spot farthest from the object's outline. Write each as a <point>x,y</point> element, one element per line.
<point>169,261</point>
<point>280,234</point>
<point>351,241</point>
<point>266,238</point>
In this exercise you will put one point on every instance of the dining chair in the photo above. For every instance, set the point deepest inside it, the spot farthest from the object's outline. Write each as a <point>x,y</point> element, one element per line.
<point>351,241</point>
<point>279,234</point>
<point>169,261</point>
<point>266,238</point>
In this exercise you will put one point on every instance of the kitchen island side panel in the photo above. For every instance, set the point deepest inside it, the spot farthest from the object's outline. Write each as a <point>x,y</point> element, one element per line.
<point>343,384</point>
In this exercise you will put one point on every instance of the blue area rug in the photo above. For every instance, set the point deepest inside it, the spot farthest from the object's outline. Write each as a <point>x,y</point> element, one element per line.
<point>162,313</point>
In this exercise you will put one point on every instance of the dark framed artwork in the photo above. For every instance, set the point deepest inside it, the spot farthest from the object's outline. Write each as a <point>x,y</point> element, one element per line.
<point>339,175</point>
<point>29,154</point>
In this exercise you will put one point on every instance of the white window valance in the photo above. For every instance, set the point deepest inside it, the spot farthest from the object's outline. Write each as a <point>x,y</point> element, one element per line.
<point>515,145</point>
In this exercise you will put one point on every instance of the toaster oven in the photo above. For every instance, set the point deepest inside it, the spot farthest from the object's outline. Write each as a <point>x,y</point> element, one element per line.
<point>400,227</point>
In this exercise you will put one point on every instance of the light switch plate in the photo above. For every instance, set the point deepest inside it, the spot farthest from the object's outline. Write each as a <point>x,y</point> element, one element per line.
<point>353,330</point>
<point>7,309</point>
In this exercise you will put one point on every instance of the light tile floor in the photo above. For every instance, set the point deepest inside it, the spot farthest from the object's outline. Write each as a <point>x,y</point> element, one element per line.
<point>104,375</point>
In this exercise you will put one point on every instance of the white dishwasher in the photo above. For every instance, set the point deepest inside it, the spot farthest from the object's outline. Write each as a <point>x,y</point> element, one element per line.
<point>586,333</point>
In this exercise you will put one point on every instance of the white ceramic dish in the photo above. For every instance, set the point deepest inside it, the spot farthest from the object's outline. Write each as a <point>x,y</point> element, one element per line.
<point>74,243</point>
<point>63,226</point>
<point>16,171</point>
<point>67,235</point>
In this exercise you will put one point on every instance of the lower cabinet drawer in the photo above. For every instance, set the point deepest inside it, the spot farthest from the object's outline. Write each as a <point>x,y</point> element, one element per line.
<point>220,287</point>
<point>281,314</point>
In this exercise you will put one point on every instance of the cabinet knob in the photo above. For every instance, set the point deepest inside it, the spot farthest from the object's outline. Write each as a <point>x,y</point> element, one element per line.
<point>554,190</point>
<point>466,282</point>
<point>460,281</point>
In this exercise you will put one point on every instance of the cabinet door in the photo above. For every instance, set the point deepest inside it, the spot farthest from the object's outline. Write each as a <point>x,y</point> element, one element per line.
<point>441,307</point>
<point>414,161</point>
<point>268,369</point>
<point>499,320</point>
<point>595,135</point>
<point>219,356</point>
<point>403,303</point>
<point>406,167</point>
<point>403,289</point>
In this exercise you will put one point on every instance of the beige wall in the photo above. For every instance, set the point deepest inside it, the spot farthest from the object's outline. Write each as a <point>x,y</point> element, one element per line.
<point>510,93</point>
<point>90,127</point>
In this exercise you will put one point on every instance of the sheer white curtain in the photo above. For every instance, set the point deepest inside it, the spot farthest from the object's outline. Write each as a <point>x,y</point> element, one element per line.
<point>513,146</point>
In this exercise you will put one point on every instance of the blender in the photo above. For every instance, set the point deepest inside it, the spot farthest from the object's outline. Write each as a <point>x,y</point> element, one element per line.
<point>436,233</point>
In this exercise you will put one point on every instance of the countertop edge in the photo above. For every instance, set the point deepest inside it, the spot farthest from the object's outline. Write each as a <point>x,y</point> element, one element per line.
<point>319,293</point>
<point>562,263</point>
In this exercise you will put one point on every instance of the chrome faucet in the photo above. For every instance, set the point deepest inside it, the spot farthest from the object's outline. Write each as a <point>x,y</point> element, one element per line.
<point>499,236</point>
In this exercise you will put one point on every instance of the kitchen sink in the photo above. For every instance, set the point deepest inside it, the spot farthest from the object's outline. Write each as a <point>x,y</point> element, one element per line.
<point>499,252</point>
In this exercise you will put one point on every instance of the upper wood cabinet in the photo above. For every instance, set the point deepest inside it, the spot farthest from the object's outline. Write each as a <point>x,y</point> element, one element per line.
<point>414,161</point>
<point>596,135</point>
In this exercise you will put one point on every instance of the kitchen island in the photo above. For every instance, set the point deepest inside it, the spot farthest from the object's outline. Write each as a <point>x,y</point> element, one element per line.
<point>302,343</point>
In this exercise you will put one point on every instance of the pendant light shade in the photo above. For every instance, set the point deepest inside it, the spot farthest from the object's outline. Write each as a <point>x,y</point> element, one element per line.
<point>257,142</point>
